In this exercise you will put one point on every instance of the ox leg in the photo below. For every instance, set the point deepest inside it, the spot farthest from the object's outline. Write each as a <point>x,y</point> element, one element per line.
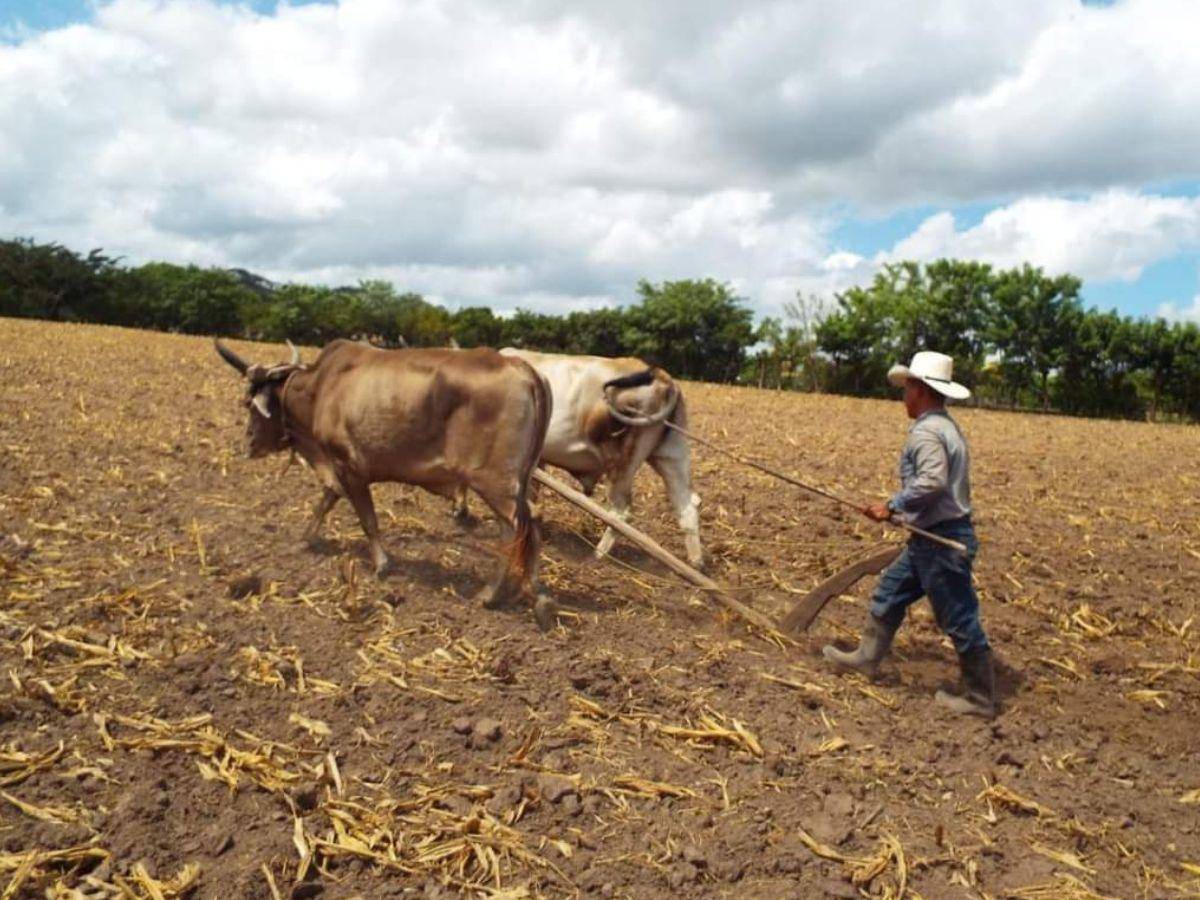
<point>503,587</point>
<point>359,495</point>
<point>518,571</point>
<point>329,497</point>
<point>545,608</point>
<point>499,590</point>
<point>459,507</point>
<point>620,496</point>
<point>675,472</point>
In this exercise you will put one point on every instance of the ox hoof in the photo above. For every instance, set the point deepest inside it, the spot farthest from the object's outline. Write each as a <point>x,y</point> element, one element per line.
<point>545,612</point>
<point>490,598</point>
<point>383,568</point>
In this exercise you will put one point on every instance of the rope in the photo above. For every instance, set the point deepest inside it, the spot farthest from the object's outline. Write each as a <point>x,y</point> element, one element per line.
<point>755,465</point>
<point>775,473</point>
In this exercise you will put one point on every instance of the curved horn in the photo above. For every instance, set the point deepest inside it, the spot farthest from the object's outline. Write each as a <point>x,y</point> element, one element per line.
<point>230,357</point>
<point>295,353</point>
<point>642,421</point>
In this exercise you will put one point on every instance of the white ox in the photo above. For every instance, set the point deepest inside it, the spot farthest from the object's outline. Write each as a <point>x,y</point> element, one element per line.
<point>606,420</point>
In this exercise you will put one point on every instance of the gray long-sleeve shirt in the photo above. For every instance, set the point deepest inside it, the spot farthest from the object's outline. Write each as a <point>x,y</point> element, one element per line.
<point>935,483</point>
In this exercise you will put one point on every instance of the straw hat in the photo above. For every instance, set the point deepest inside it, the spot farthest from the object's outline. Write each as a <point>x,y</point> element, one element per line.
<point>935,369</point>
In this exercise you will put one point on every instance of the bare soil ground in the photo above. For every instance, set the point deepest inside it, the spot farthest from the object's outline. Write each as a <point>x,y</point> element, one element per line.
<point>191,701</point>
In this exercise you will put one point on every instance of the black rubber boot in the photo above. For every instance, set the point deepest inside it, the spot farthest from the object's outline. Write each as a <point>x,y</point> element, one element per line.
<point>872,648</point>
<point>978,697</point>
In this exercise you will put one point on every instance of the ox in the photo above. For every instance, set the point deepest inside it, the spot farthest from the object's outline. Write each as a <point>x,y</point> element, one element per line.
<point>441,419</point>
<point>607,420</point>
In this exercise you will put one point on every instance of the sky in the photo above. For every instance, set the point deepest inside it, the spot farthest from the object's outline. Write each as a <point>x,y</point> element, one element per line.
<point>548,155</point>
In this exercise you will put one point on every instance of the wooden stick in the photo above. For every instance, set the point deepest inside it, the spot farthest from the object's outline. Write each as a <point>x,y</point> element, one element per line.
<point>801,615</point>
<point>936,538</point>
<point>678,566</point>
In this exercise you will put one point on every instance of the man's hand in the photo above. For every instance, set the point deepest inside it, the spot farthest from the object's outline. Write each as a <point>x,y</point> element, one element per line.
<point>878,512</point>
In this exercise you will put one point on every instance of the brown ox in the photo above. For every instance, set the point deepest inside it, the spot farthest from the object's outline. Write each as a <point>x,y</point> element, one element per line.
<point>607,420</point>
<point>441,419</point>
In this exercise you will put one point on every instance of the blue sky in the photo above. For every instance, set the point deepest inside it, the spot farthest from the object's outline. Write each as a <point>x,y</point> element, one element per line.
<point>548,155</point>
<point>42,15</point>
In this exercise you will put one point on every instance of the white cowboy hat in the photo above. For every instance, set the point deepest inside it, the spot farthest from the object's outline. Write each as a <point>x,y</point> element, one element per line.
<point>935,369</point>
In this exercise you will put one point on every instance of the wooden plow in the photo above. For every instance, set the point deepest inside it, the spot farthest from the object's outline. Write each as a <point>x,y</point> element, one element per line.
<point>798,618</point>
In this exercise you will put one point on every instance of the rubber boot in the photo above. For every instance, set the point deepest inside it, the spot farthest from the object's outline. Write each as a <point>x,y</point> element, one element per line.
<point>978,697</point>
<point>872,648</point>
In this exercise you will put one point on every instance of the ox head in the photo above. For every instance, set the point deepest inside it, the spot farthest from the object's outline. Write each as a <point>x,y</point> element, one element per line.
<point>265,429</point>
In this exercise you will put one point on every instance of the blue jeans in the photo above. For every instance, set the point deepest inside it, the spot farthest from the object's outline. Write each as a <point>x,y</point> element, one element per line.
<point>944,575</point>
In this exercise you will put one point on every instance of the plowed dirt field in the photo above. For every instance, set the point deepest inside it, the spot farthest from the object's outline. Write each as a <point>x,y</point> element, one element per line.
<point>193,702</point>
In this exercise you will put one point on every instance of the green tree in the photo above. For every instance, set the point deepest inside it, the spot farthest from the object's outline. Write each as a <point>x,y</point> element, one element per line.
<point>1184,384</point>
<point>857,337</point>
<point>951,316</point>
<point>536,331</point>
<point>597,332</point>
<point>1160,350</point>
<point>48,281</point>
<point>477,326</point>
<point>1094,372</point>
<point>765,367</point>
<point>1032,322</point>
<point>807,366</point>
<point>186,298</point>
<point>694,329</point>
<point>423,324</point>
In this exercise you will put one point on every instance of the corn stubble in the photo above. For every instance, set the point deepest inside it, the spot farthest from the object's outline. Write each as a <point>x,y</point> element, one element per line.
<point>164,635</point>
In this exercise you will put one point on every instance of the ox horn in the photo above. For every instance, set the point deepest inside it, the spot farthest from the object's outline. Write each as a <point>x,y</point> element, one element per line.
<point>230,357</point>
<point>642,421</point>
<point>262,402</point>
<point>295,353</point>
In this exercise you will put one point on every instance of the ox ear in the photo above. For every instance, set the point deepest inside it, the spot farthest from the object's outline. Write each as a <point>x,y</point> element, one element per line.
<point>262,401</point>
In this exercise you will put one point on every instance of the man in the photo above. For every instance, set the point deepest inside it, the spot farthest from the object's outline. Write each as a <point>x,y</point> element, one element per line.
<point>935,495</point>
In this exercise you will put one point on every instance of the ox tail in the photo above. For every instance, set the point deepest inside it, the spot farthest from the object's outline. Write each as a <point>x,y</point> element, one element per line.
<point>637,379</point>
<point>649,375</point>
<point>526,544</point>
<point>679,418</point>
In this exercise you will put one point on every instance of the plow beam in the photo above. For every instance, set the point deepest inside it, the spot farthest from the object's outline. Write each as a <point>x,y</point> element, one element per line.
<point>647,543</point>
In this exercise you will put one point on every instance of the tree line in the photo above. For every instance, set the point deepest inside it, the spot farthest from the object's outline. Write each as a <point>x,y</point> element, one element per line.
<point>695,329</point>
<point>1019,337</point>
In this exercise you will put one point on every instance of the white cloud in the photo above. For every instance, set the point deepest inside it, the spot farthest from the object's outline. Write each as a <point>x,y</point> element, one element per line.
<point>1109,236</point>
<point>552,154</point>
<point>1095,97</point>
<point>1174,313</point>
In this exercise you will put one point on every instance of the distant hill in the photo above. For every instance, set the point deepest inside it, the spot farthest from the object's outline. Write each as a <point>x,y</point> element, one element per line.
<point>256,283</point>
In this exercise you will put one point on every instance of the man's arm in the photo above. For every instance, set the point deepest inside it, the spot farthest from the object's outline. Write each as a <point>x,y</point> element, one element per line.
<point>931,476</point>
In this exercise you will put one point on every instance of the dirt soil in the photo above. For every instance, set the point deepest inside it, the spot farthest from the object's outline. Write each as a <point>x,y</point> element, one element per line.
<point>195,703</point>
